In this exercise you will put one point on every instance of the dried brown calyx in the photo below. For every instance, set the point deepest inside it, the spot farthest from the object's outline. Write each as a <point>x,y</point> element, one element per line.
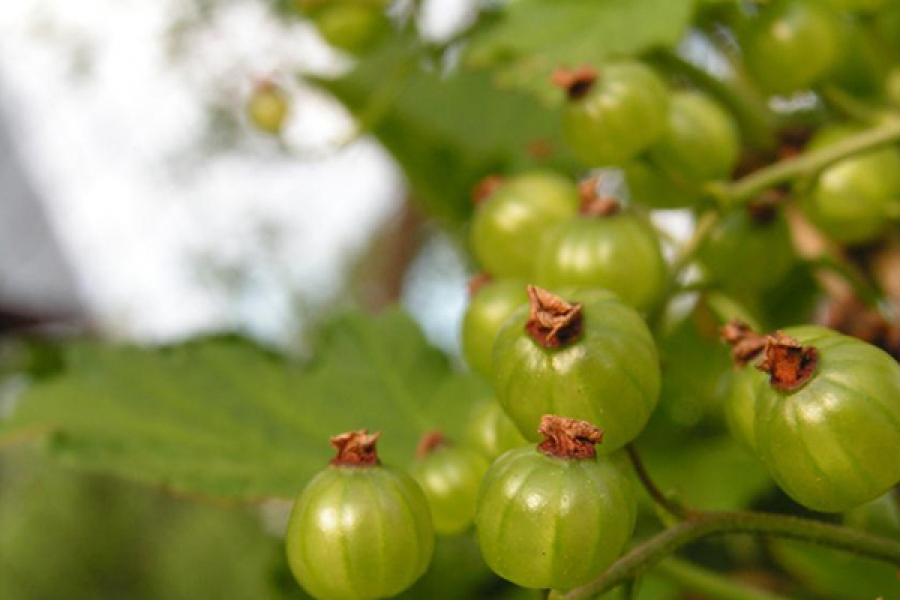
<point>430,442</point>
<point>265,85</point>
<point>788,363</point>
<point>356,449</point>
<point>568,438</point>
<point>478,282</point>
<point>576,82</point>
<point>764,209</point>
<point>485,188</point>
<point>553,322</point>
<point>746,344</point>
<point>592,203</point>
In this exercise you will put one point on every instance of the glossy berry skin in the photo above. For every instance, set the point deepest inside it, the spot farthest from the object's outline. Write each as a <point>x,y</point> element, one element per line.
<point>610,376</point>
<point>622,114</point>
<point>851,201</point>
<point>833,443</point>
<point>508,225</point>
<point>268,108</point>
<point>490,431</point>
<point>546,522</point>
<point>749,254</point>
<point>740,405</point>
<point>359,533</point>
<point>450,476</point>
<point>354,27</point>
<point>880,516</point>
<point>701,141</point>
<point>488,308</point>
<point>618,252</point>
<point>792,44</point>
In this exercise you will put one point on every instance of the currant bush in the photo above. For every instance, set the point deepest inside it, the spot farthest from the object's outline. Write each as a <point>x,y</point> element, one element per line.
<point>624,179</point>
<point>781,156</point>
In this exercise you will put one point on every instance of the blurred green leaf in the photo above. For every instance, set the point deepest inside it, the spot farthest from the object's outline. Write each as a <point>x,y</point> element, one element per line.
<point>65,534</point>
<point>223,417</point>
<point>532,38</point>
<point>447,130</point>
<point>794,299</point>
<point>834,574</point>
<point>712,473</point>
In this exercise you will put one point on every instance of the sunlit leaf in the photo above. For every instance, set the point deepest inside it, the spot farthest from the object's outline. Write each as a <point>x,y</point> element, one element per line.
<point>223,417</point>
<point>531,38</point>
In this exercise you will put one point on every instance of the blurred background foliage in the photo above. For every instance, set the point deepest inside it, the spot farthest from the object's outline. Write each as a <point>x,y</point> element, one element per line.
<point>222,430</point>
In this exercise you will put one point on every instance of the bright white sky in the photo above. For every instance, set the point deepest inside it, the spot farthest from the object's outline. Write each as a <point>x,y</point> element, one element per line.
<point>110,125</point>
<point>110,128</point>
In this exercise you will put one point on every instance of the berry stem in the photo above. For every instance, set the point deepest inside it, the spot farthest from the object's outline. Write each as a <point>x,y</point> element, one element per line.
<point>702,524</point>
<point>668,504</point>
<point>809,163</point>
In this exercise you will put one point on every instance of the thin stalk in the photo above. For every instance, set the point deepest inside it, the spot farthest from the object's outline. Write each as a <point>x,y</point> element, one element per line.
<point>808,163</point>
<point>704,524</point>
<point>629,589</point>
<point>709,584</point>
<point>675,508</point>
<point>849,106</point>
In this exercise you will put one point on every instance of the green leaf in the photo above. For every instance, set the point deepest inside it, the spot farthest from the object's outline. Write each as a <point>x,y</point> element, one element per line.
<point>531,38</point>
<point>835,574</point>
<point>223,417</point>
<point>713,473</point>
<point>447,130</point>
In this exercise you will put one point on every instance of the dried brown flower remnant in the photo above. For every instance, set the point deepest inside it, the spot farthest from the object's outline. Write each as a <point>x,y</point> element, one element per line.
<point>764,209</point>
<point>568,438</point>
<point>788,363</point>
<point>745,343</point>
<point>430,442</point>
<point>576,82</point>
<point>478,282</point>
<point>485,188</point>
<point>592,203</point>
<point>553,322</point>
<point>356,449</point>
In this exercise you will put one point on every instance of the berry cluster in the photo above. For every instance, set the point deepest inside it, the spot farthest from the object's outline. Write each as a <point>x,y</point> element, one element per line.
<point>565,320</point>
